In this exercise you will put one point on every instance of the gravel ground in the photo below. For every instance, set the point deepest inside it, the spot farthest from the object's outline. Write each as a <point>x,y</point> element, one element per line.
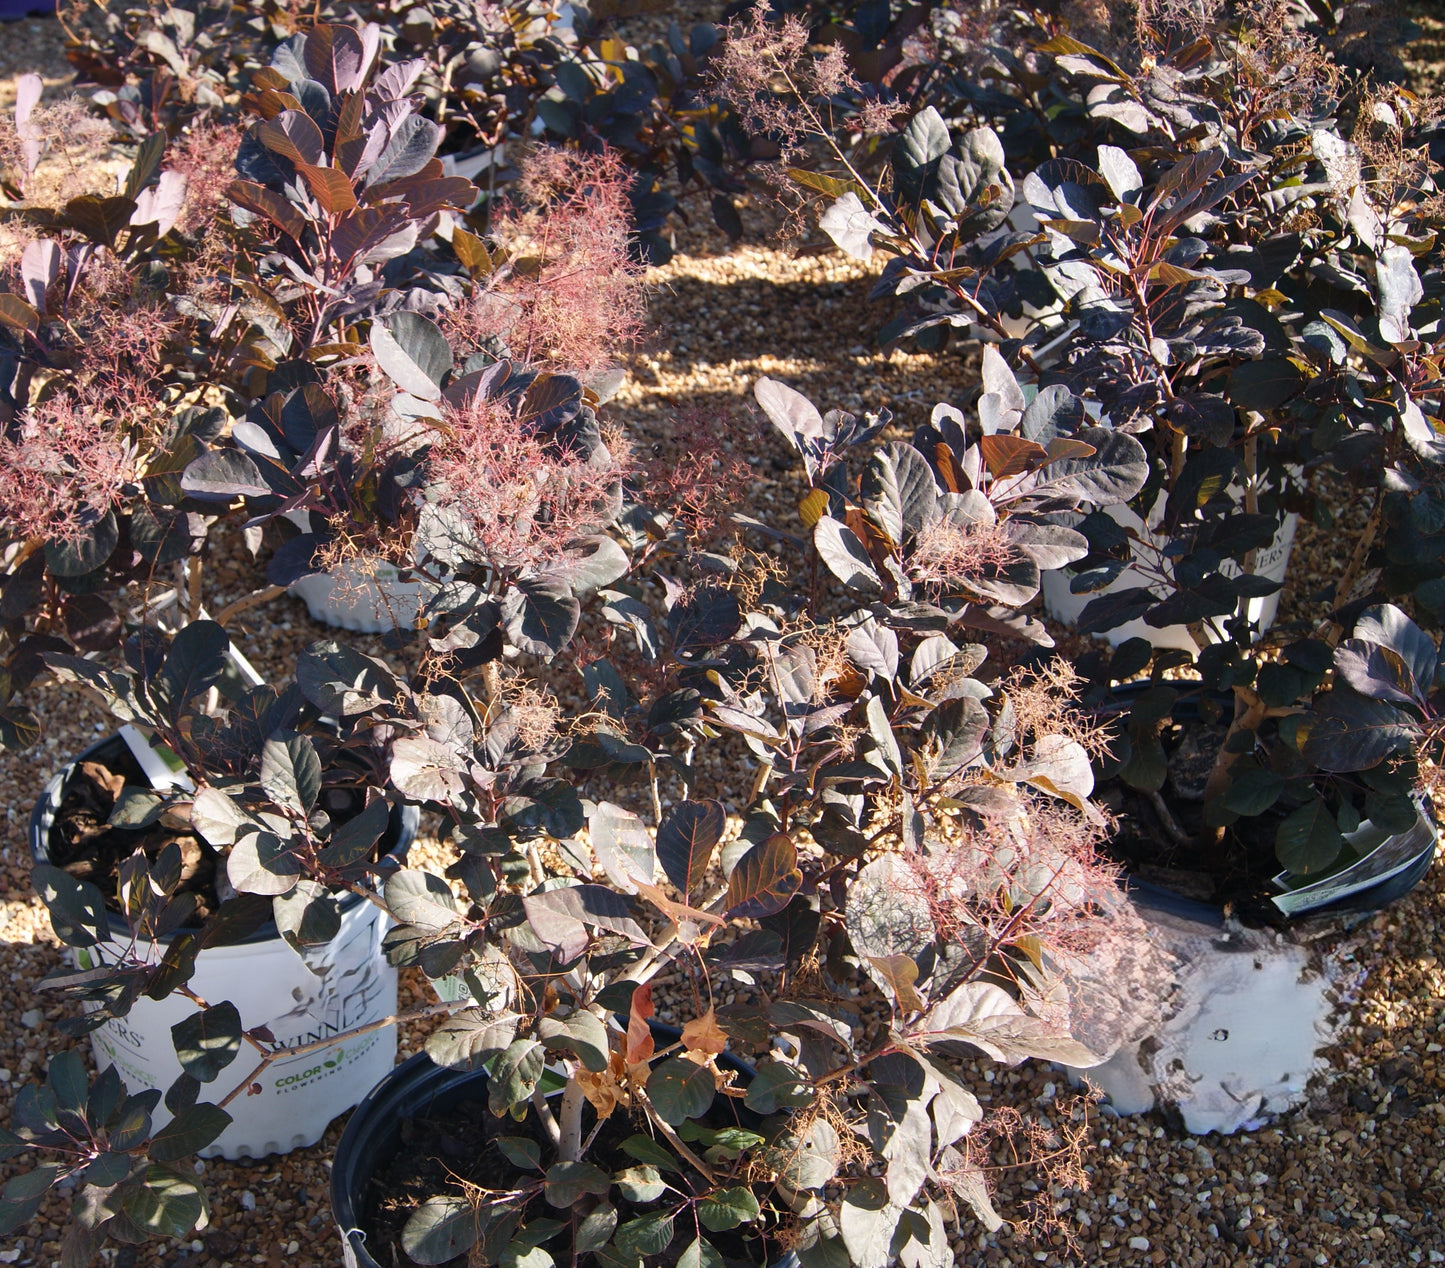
<point>1354,1178</point>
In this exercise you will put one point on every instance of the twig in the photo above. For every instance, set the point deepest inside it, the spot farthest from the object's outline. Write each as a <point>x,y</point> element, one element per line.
<point>249,601</point>
<point>569,1143</point>
<point>300,1050</point>
<point>675,1140</point>
<point>1166,817</point>
<point>545,1116</point>
<point>193,586</point>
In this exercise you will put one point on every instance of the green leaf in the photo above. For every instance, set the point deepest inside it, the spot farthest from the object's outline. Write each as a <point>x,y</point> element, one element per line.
<point>700,1254</point>
<point>354,840</point>
<point>649,1235</point>
<point>764,880</point>
<point>596,1230</point>
<point>413,352</point>
<point>1350,732</point>
<point>821,184</point>
<point>147,163</point>
<point>421,899</point>
<point>867,1221</point>
<point>568,1181</point>
<point>886,915</point>
<point>727,1208</point>
<point>581,1033</point>
<point>846,557</point>
<point>642,1183</point>
<point>442,1228</point>
<point>467,1040</point>
<point>1391,813</point>
<point>291,770</point>
<point>520,1152</point>
<point>340,680</point>
<point>1309,839</point>
<point>77,908</point>
<point>132,1124</point>
<point>195,663</point>
<point>520,1256</point>
<point>309,916</point>
<point>645,1149</point>
<point>23,1194</point>
<point>540,615</point>
<point>164,1203</point>
<point>917,153</point>
<point>86,553</point>
<point>100,219</point>
<point>17,314</point>
<point>515,1075</point>
<point>19,727</point>
<point>208,1040</point>
<point>188,1132</point>
<point>899,491</point>
<point>1263,385</point>
<point>686,838</point>
<point>107,1169</point>
<point>261,863</point>
<point>1253,791</point>
<point>66,1077</point>
<point>777,1085</point>
<point>681,1089</point>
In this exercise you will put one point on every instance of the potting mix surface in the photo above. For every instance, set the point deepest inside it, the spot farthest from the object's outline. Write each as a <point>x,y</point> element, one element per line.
<point>1353,1177</point>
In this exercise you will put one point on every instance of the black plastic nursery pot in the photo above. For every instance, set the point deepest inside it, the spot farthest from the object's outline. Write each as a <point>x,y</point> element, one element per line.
<point>1399,860</point>
<point>418,1087</point>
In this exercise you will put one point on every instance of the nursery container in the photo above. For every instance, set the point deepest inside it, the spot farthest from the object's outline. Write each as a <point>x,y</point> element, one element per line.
<point>1248,1012</point>
<point>333,989</point>
<point>1270,563</point>
<point>416,1087</point>
<point>1250,1008</point>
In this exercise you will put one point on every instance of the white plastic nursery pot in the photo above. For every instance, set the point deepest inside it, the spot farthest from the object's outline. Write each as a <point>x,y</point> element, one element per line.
<point>368,599</point>
<point>1272,563</point>
<point>336,988</point>
<point>1249,1011</point>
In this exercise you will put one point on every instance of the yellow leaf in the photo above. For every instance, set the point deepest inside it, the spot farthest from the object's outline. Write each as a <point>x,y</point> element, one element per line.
<point>703,1037</point>
<point>812,507</point>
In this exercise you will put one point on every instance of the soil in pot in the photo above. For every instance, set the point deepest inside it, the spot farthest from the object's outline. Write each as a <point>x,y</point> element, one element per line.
<point>451,1150</point>
<point>83,843</point>
<point>1178,856</point>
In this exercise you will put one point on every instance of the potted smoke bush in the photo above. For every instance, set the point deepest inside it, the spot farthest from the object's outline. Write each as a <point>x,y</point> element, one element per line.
<point>918,839</point>
<point>240,844</point>
<point>1252,311</point>
<point>232,820</point>
<point>923,838</point>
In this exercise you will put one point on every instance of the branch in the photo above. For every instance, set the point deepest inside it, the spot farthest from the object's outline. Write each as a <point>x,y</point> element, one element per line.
<point>249,601</point>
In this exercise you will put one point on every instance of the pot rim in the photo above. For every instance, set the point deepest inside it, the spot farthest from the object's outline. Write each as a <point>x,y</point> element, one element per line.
<point>403,823</point>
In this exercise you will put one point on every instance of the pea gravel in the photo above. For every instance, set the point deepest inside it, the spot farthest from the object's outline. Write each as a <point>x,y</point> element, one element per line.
<point>1353,1178</point>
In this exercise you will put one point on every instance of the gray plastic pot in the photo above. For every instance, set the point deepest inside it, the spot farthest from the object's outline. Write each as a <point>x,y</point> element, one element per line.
<point>300,999</point>
<point>416,1087</point>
